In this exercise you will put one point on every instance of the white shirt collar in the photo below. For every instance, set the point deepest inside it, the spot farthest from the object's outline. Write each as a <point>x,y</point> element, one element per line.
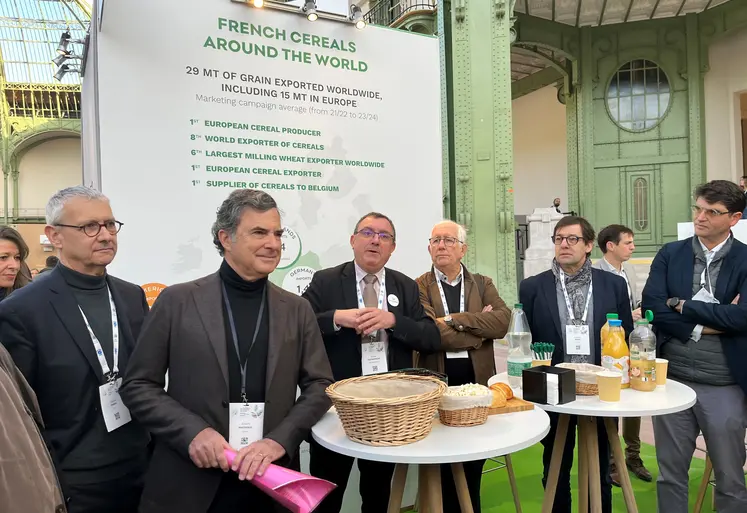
<point>611,268</point>
<point>442,277</point>
<point>710,253</point>
<point>360,273</point>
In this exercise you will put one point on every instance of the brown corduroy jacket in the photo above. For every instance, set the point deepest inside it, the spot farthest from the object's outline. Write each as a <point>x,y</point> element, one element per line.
<point>28,482</point>
<point>473,330</point>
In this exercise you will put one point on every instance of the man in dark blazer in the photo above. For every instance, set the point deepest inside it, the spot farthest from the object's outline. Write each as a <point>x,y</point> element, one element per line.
<point>367,329</point>
<point>697,289</point>
<point>591,293</point>
<point>236,348</point>
<point>72,344</point>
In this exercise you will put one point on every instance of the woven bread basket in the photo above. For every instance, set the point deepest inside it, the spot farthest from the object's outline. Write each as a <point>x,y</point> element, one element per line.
<point>387,409</point>
<point>464,418</point>
<point>586,377</point>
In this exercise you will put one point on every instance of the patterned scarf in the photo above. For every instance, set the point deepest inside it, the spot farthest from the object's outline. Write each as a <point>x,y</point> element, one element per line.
<point>577,287</point>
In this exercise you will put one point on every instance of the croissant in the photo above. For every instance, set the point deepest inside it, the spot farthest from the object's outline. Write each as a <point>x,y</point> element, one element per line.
<point>499,399</point>
<point>503,387</point>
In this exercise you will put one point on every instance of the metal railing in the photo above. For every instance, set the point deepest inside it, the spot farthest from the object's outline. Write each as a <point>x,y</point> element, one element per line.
<point>34,214</point>
<point>386,12</point>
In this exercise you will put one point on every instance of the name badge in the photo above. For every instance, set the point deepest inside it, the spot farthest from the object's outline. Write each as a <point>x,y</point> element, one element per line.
<point>373,358</point>
<point>246,424</point>
<point>705,296</point>
<point>577,340</point>
<point>115,412</point>
<point>457,354</point>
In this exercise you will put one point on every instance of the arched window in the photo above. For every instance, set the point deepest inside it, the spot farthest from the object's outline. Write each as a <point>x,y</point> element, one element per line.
<point>640,203</point>
<point>638,95</point>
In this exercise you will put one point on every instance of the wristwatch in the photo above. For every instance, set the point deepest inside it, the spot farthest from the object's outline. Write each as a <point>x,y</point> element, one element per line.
<point>672,302</point>
<point>448,320</point>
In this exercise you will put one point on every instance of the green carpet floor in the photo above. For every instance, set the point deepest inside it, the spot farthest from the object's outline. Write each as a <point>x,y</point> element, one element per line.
<point>496,492</point>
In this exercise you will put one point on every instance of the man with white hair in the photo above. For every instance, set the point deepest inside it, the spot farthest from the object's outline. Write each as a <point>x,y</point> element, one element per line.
<point>469,314</point>
<point>71,334</point>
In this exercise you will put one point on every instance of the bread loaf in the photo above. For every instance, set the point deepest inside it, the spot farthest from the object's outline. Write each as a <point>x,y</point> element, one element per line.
<point>499,399</point>
<point>503,387</point>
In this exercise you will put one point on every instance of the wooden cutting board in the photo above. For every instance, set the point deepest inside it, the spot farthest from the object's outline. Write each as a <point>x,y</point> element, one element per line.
<point>512,405</point>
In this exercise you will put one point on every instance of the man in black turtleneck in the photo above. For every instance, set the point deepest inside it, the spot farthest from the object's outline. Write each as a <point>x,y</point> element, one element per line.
<point>71,333</point>
<point>236,348</point>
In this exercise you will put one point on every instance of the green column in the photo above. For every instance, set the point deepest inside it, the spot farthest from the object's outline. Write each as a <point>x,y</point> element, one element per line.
<point>695,102</point>
<point>478,48</point>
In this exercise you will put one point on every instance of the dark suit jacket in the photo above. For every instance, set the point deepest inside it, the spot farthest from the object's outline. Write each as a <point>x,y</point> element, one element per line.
<point>539,298</point>
<point>671,275</point>
<point>334,289</point>
<point>43,330</point>
<point>185,336</point>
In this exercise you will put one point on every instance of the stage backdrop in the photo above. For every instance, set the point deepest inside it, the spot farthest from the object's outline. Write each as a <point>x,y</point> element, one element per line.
<point>201,97</point>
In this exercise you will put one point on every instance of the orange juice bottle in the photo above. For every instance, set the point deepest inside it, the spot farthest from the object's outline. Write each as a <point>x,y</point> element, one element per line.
<point>606,327</point>
<point>615,353</point>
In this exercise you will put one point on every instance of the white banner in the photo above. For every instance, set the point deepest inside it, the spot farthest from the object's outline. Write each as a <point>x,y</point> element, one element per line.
<point>200,97</point>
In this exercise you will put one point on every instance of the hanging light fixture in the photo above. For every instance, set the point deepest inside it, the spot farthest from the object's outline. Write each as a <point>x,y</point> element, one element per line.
<point>309,8</point>
<point>356,16</point>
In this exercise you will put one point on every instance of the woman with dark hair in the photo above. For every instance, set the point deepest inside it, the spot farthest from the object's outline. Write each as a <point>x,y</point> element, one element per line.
<point>14,273</point>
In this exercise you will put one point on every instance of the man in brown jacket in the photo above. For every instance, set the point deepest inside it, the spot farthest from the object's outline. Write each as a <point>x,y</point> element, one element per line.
<point>469,314</point>
<point>28,482</point>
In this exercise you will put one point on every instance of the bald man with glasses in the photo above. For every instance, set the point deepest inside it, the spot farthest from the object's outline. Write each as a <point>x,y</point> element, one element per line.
<point>469,314</point>
<point>371,320</point>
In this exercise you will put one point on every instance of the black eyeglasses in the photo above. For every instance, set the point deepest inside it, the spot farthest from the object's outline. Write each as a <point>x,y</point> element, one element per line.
<point>93,228</point>
<point>449,242</point>
<point>571,239</point>
<point>368,233</point>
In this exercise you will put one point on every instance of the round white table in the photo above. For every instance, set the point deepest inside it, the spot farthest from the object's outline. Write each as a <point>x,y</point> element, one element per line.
<point>501,435</point>
<point>671,398</point>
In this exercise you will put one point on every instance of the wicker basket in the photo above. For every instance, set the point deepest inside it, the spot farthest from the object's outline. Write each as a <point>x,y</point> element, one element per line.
<point>387,419</point>
<point>463,418</point>
<point>586,389</point>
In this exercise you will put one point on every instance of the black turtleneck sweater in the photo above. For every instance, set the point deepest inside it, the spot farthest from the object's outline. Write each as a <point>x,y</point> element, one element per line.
<point>92,297</point>
<point>245,298</point>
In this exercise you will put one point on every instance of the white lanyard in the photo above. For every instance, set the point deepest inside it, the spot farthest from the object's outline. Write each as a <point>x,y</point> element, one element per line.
<point>571,315</point>
<point>443,296</point>
<point>382,292</point>
<point>109,374</point>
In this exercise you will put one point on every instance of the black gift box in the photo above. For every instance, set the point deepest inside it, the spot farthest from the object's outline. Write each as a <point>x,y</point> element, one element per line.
<point>534,384</point>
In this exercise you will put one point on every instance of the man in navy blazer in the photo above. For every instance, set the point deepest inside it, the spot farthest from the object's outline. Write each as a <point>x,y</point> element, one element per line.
<point>697,289</point>
<point>573,293</point>
<point>372,320</point>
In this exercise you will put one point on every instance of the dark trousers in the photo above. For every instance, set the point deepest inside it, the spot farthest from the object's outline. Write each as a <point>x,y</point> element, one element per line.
<point>375,480</point>
<point>473,474</point>
<point>121,495</point>
<point>562,502</point>
<point>234,495</point>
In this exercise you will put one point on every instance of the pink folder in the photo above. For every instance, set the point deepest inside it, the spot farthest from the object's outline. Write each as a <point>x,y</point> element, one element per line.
<point>296,491</point>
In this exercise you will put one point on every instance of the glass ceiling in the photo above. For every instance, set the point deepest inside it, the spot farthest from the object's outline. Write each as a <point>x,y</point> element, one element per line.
<point>30,31</point>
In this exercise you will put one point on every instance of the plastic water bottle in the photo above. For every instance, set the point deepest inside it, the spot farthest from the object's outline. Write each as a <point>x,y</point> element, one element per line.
<point>519,346</point>
<point>643,356</point>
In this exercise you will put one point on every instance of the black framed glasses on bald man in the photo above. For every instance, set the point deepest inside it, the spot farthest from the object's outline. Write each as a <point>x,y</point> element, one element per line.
<point>93,228</point>
<point>449,242</point>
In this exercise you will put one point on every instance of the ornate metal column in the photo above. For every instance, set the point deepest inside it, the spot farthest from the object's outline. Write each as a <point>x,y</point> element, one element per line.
<point>477,37</point>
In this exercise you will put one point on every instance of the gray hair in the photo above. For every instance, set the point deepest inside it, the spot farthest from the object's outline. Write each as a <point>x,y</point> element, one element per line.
<point>56,203</point>
<point>461,230</point>
<point>230,212</point>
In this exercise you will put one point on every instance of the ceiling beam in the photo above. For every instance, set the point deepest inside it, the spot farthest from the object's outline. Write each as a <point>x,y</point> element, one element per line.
<point>601,13</point>
<point>627,14</point>
<point>682,6</point>
<point>653,11</point>
<point>578,12</point>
